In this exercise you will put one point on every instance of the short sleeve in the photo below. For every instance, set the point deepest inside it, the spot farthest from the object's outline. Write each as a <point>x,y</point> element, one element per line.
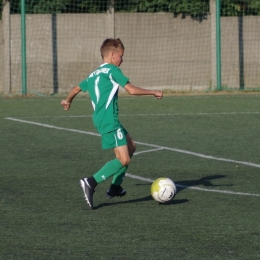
<point>119,77</point>
<point>84,85</point>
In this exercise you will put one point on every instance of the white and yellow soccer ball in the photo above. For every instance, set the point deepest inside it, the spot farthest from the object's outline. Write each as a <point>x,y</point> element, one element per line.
<point>163,190</point>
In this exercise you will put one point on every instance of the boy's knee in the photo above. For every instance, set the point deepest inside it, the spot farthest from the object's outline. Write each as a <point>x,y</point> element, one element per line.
<point>125,161</point>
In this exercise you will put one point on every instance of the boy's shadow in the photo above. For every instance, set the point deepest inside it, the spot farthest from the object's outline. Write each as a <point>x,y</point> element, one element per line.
<point>205,181</point>
<point>147,198</point>
<point>181,185</point>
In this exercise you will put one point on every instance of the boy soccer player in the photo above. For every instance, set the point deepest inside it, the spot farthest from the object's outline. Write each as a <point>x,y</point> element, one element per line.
<point>103,85</point>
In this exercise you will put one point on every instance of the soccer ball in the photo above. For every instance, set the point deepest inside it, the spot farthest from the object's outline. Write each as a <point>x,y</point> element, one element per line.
<point>163,190</point>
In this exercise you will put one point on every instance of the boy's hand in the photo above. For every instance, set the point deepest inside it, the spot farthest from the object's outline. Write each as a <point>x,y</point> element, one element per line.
<point>158,94</point>
<point>65,104</point>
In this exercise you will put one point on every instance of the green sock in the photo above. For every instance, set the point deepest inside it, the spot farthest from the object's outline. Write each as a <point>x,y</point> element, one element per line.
<point>118,178</point>
<point>108,170</point>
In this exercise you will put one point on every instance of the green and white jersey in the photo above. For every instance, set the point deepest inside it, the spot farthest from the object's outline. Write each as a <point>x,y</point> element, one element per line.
<point>103,85</point>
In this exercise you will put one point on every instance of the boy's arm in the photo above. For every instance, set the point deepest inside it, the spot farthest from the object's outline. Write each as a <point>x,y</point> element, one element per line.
<point>133,90</point>
<point>67,102</point>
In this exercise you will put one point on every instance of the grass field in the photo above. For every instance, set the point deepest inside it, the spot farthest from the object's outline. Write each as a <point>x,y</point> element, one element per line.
<point>209,145</point>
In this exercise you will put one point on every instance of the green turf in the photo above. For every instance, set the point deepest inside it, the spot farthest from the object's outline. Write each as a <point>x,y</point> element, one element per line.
<point>42,211</point>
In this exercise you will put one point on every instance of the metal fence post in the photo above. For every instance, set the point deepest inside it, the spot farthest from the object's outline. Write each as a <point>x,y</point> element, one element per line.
<point>218,41</point>
<point>23,43</point>
<point>7,49</point>
<point>213,84</point>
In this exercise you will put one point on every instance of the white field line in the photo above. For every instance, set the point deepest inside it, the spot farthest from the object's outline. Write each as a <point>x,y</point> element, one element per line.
<point>200,155</point>
<point>148,151</point>
<point>194,188</point>
<point>164,114</point>
<point>194,114</point>
<point>157,148</point>
<point>141,143</point>
<point>52,126</point>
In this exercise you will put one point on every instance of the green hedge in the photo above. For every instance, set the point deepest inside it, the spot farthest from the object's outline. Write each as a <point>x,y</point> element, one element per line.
<point>194,8</point>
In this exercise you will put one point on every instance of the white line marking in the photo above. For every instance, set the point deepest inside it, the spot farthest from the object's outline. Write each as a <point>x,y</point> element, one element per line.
<point>139,178</point>
<point>201,155</point>
<point>158,148</point>
<point>62,117</point>
<point>148,151</point>
<point>194,188</point>
<point>168,114</point>
<point>146,144</point>
<point>52,126</point>
<point>194,114</point>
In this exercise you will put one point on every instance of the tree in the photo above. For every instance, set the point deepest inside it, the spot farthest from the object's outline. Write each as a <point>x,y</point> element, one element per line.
<point>194,8</point>
<point>240,7</point>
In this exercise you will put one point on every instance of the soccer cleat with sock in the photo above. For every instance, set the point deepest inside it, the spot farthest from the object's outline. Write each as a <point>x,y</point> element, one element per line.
<point>88,191</point>
<point>115,191</point>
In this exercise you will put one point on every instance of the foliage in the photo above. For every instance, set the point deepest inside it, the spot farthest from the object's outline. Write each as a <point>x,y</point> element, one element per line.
<point>60,6</point>
<point>42,6</point>
<point>184,7</point>
<point>240,7</point>
<point>194,8</point>
<point>1,8</point>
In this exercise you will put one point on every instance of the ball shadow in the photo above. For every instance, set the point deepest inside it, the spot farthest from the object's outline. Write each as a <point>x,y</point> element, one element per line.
<point>146,198</point>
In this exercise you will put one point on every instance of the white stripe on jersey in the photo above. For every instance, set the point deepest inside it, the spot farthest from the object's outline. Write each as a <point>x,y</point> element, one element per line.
<point>116,140</point>
<point>97,92</point>
<point>114,89</point>
<point>93,105</point>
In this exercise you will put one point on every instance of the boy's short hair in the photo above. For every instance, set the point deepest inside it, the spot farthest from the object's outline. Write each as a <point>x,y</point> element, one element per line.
<point>110,44</point>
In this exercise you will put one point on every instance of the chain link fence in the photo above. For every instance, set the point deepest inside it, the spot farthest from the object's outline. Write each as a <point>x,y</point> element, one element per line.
<point>169,44</point>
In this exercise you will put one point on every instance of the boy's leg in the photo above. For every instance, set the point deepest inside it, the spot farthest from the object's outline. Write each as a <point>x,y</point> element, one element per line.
<point>88,184</point>
<point>113,139</point>
<point>120,141</point>
<point>108,170</point>
<point>118,178</point>
<point>122,155</point>
<point>115,188</point>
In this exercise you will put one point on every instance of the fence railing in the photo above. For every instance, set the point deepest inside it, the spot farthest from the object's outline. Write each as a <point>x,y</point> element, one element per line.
<point>50,53</point>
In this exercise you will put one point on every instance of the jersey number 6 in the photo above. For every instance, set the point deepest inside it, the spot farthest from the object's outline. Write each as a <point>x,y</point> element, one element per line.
<point>119,134</point>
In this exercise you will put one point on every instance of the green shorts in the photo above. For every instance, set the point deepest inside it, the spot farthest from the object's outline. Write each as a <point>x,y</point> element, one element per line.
<point>114,139</point>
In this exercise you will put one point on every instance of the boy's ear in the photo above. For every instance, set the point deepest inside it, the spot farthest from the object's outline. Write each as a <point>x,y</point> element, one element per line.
<point>112,54</point>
